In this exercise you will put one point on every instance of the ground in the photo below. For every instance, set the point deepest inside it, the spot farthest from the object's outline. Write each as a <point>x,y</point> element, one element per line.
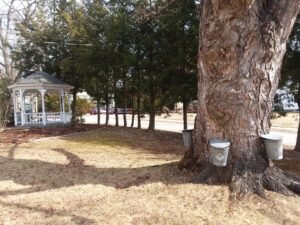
<point>21,135</point>
<point>122,176</point>
<point>291,120</point>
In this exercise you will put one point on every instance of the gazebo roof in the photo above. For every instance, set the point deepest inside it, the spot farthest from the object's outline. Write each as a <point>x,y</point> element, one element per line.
<point>40,79</point>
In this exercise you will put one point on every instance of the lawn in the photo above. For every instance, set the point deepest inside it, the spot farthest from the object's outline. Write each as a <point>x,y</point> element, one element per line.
<point>291,120</point>
<point>120,176</point>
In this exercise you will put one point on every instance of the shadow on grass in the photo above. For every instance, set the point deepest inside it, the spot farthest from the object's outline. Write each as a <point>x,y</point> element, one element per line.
<point>290,163</point>
<point>42,176</point>
<point>76,219</point>
<point>157,142</point>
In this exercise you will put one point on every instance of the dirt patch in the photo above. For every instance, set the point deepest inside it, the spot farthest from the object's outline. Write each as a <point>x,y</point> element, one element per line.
<point>21,135</point>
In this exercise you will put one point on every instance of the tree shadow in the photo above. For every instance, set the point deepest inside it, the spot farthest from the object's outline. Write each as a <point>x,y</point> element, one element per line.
<point>135,139</point>
<point>290,163</point>
<point>76,219</point>
<point>11,151</point>
<point>42,176</point>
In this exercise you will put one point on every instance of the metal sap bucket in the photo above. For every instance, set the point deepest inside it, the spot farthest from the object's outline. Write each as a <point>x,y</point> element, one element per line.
<point>219,152</point>
<point>273,146</point>
<point>187,136</point>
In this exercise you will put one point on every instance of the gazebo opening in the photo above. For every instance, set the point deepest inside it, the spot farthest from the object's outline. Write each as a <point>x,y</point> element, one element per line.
<point>41,99</point>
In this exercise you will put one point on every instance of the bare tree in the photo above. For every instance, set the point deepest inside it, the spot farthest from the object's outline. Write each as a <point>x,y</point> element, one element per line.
<point>15,11</point>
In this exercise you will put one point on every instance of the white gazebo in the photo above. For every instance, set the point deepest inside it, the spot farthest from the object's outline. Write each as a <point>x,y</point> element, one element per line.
<point>29,100</point>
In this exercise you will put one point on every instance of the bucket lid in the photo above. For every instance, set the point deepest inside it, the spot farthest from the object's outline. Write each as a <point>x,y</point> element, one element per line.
<point>222,144</point>
<point>274,137</point>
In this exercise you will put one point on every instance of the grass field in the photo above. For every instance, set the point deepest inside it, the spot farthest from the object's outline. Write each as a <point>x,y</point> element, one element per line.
<point>120,176</point>
<point>291,120</point>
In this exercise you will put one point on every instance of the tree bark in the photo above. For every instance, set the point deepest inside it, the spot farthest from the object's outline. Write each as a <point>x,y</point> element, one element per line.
<point>152,104</point>
<point>116,115</point>
<point>185,105</point>
<point>138,101</point>
<point>124,98</point>
<point>297,147</point>
<point>132,111</point>
<point>139,85</point>
<point>152,95</point>
<point>242,44</point>
<point>98,111</point>
<point>4,103</point>
<point>116,102</point>
<point>106,96</point>
<point>73,119</point>
<point>107,108</point>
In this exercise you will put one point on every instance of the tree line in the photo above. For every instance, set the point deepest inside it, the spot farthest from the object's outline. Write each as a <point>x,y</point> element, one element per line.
<point>116,53</point>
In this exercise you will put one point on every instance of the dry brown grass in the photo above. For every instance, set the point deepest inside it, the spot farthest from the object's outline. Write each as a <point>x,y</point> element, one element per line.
<point>291,120</point>
<point>120,176</point>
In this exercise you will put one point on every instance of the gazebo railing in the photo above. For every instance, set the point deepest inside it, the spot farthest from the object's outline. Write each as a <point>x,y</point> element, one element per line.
<point>33,117</point>
<point>37,118</point>
<point>18,118</point>
<point>54,117</point>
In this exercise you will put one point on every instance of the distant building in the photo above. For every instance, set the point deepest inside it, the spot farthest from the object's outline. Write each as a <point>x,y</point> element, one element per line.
<point>287,100</point>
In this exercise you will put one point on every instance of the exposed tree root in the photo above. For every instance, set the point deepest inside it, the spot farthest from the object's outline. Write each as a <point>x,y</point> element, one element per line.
<point>245,176</point>
<point>188,161</point>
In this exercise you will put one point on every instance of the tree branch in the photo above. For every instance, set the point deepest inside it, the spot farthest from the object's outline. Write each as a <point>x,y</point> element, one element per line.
<point>284,11</point>
<point>144,14</point>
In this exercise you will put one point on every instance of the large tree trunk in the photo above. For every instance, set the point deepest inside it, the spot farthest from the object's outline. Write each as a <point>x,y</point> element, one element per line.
<point>242,44</point>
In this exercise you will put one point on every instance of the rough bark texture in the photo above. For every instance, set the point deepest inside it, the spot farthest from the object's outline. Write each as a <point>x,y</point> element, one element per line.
<point>107,108</point>
<point>116,104</point>
<point>124,99</point>
<point>297,146</point>
<point>242,44</point>
<point>132,112</point>
<point>185,106</point>
<point>73,106</point>
<point>98,111</point>
<point>152,98</point>
<point>4,104</point>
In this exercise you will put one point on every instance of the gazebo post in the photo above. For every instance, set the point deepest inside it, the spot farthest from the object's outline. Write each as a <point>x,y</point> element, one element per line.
<point>43,106</point>
<point>69,103</point>
<point>22,107</point>
<point>62,104</point>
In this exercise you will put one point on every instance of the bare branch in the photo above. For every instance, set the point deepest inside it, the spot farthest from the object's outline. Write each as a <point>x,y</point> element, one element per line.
<point>143,14</point>
<point>9,17</point>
